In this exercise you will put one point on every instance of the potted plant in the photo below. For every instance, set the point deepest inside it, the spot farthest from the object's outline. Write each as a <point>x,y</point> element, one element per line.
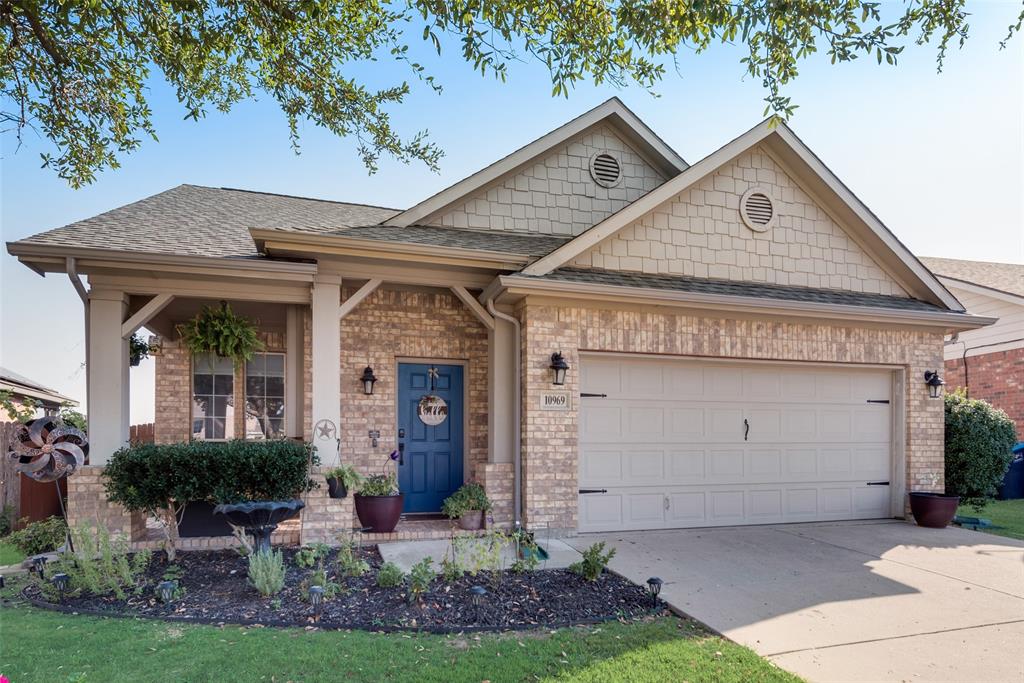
<point>378,501</point>
<point>341,479</point>
<point>468,505</point>
<point>220,331</point>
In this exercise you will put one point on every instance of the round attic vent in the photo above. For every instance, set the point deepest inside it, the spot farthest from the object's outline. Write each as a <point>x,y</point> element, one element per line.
<point>757,209</point>
<point>605,169</point>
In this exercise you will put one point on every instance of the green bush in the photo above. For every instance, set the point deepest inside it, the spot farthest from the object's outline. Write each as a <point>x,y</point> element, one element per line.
<point>347,475</point>
<point>420,577</point>
<point>978,442</point>
<point>266,572</point>
<point>593,563</point>
<point>311,555</point>
<point>470,496</point>
<point>101,564</point>
<point>390,575</point>
<point>379,485</point>
<point>43,536</point>
<point>348,561</point>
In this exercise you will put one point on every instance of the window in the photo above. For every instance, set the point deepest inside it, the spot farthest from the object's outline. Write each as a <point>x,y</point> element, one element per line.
<point>264,396</point>
<point>213,397</point>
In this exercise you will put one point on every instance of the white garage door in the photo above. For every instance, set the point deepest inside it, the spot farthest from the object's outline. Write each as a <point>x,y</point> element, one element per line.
<point>683,443</point>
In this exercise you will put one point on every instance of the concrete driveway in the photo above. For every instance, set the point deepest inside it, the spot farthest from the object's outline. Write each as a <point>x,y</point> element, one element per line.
<point>852,601</point>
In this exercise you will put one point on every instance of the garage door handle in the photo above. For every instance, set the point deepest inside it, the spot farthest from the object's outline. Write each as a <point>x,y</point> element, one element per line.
<point>593,490</point>
<point>746,429</point>
<point>877,483</point>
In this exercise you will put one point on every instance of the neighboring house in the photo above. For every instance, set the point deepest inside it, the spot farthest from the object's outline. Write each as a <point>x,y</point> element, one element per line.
<point>24,393</point>
<point>989,361</point>
<point>746,342</point>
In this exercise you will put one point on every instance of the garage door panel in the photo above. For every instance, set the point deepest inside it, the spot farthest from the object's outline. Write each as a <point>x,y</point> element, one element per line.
<point>669,444</point>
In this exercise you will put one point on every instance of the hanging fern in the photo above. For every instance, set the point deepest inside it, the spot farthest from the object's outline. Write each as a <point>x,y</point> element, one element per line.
<point>220,331</point>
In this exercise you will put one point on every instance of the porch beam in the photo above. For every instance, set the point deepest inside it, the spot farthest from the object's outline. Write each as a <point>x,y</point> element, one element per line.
<point>349,304</point>
<point>145,314</point>
<point>473,305</point>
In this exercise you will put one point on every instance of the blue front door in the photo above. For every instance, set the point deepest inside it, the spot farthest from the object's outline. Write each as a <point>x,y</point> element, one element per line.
<point>430,468</point>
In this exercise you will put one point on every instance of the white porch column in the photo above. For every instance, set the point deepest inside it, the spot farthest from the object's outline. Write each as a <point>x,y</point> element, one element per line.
<point>108,390</point>
<point>294,352</point>
<point>501,348</point>
<point>326,346</point>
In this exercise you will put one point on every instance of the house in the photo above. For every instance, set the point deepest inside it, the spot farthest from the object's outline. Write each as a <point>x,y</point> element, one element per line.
<point>26,393</point>
<point>988,362</point>
<point>623,340</point>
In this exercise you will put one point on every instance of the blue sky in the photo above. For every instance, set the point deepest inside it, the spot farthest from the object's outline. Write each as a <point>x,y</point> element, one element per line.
<point>938,157</point>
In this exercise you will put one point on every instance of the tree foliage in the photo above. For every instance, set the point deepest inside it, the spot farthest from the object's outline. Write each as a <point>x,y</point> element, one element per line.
<point>78,70</point>
<point>979,439</point>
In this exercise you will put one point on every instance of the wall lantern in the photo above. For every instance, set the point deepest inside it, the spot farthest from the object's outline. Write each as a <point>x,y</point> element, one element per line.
<point>368,379</point>
<point>559,367</point>
<point>934,383</point>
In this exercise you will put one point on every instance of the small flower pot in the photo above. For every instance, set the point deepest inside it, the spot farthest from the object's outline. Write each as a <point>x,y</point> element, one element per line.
<point>380,513</point>
<point>336,488</point>
<point>472,520</point>
<point>933,510</point>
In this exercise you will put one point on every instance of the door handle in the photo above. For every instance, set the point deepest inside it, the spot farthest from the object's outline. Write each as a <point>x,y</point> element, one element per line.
<point>746,429</point>
<point>401,453</point>
<point>877,483</point>
<point>593,490</point>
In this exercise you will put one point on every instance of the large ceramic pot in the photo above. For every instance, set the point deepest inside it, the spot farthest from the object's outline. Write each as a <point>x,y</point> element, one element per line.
<point>933,510</point>
<point>379,513</point>
<point>259,519</point>
<point>471,520</point>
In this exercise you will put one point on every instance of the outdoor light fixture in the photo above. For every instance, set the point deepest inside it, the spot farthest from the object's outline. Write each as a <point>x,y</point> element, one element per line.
<point>478,593</point>
<point>654,588</point>
<point>39,565</point>
<point>368,379</point>
<point>558,367</point>
<point>165,590</point>
<point>934,383</point>
<point>316,597</point>
<point>60,580</point>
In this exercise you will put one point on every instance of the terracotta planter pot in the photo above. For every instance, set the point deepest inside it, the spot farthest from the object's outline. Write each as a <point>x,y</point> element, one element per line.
<point>472,520</point>
<point>336,488</point>
<point>380,513</point>
<point>933,510</point>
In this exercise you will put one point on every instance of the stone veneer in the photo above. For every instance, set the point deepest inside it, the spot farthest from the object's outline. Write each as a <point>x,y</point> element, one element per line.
<point>556,195</point>
<point>700,233</point>
<point>550,451</point>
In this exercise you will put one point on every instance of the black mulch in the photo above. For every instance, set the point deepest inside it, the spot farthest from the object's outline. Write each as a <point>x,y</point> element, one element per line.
<point>216,590</point>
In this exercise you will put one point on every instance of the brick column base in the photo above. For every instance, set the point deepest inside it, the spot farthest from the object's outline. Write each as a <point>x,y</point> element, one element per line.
<point>88,505</point>
<point>324,517</point>
<point>496,478</point>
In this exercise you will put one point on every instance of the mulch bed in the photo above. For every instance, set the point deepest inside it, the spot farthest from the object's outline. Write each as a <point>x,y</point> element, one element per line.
<point>216,590</point>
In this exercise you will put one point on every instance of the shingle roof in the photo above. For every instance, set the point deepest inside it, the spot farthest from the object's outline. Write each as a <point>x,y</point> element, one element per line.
<point>730,288</point>
<point>14,382</point>
<point>190,220</point>
<point>1006,277</point>
<point>511,243</point>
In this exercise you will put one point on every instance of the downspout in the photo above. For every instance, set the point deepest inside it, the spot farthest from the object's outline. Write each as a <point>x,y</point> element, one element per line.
<point>83,294</point>
<point>517,411</point>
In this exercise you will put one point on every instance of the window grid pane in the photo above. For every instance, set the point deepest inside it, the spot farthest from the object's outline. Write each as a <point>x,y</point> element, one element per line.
<point>213,398</point>
<point>264,396</point>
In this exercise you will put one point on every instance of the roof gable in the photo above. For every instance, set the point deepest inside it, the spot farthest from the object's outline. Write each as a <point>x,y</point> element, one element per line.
<point>1002,277</point>
<point>861,226</point>
<point>700,233</point>
<point>612,113</point>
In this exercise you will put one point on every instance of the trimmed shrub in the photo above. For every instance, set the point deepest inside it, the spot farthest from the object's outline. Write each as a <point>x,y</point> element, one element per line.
<point>160,479</point>
<point>266,572</point>
<point>39,537</point>
<point>390,575</point>
<point>593,563</point>
<point>978,442</point>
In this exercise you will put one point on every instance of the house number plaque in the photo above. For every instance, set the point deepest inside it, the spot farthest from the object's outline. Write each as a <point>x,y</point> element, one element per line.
<point>555,400</point>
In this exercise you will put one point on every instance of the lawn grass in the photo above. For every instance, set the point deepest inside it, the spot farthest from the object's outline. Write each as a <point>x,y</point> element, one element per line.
<point>9,554</point>
<point>39,645</point>
<point>1006,514</point>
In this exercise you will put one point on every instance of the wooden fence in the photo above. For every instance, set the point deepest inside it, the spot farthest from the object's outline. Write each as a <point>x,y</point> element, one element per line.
<point>142,433</point>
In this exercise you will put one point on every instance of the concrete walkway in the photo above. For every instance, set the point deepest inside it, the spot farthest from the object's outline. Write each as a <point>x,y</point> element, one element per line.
<point>857,601</point>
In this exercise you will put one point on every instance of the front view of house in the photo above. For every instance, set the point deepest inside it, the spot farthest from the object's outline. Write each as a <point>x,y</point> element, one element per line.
<point>614,339</point>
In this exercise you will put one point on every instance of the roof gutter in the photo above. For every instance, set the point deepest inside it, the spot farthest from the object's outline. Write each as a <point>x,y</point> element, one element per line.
<point>72,269</point>
<point>744,304</point>
<point>517,414</point>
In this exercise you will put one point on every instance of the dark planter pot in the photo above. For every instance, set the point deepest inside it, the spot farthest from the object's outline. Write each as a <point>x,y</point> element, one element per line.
<point>336,488</point>
<point>472,520</point>
<point>198,520</point>
<point>933,510</point>
<point>260,518</point>
<point>380,513</point>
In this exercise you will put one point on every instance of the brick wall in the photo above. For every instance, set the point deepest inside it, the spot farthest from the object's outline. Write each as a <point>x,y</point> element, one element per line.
<point>399,324</point>
<point>994,377</point>
<point>550,464</point>
<point>700,233</point>
<point>557,194</point>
